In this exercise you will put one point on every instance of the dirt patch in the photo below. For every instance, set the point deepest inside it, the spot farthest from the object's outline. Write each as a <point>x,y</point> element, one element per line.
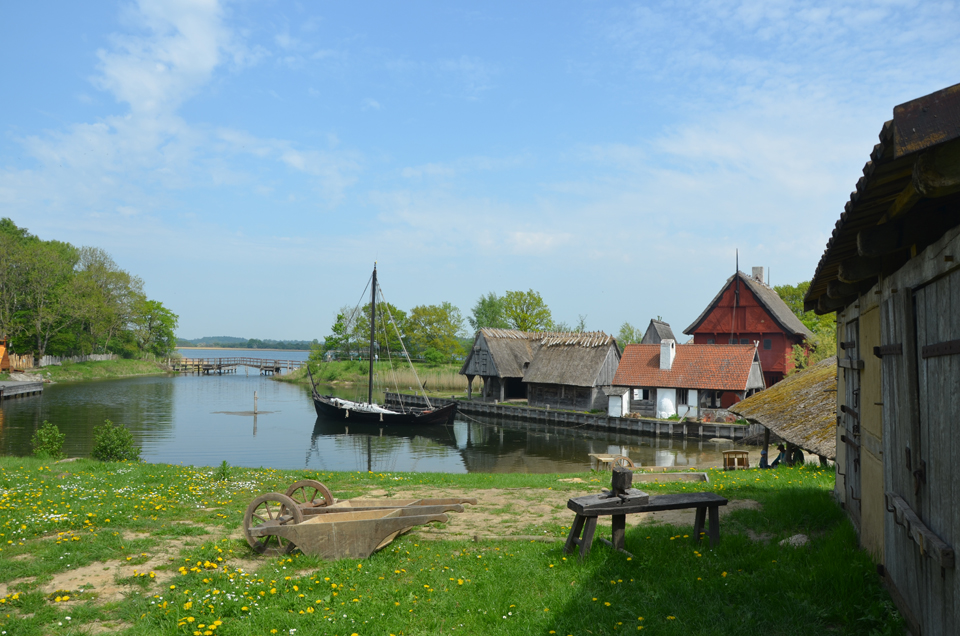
<point>520,513</point>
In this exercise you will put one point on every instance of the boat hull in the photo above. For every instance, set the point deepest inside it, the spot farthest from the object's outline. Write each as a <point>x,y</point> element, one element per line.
<point>325,407</point>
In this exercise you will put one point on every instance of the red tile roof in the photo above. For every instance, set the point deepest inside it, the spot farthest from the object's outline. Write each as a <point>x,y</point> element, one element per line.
<point>696,366</point>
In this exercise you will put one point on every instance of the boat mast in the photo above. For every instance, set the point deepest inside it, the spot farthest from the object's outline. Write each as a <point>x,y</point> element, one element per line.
<point>373,322</point>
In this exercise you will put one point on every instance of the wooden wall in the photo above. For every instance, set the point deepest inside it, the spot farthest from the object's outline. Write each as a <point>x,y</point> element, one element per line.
<point>751,323</point>
<point>577,398</point>
<point>920,380</point>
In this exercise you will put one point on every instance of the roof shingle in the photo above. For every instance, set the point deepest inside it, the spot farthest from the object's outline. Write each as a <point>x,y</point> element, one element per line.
<point>696,366</point>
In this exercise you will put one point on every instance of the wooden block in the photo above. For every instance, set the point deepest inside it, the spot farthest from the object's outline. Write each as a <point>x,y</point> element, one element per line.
<point>622,480</point>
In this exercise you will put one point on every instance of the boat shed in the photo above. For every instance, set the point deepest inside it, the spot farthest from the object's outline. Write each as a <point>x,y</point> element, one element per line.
<point>656,331</point>
<point>668,380</point>
<point>747,310</point>
<point>891,272</point>
<point>556,369</point>
<point>800,409</point>
<point>569,371</point>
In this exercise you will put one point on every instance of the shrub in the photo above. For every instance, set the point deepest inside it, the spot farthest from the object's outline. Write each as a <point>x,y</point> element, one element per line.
<point>223,472</point>
<point>113,443</point>
<point>48,442</point>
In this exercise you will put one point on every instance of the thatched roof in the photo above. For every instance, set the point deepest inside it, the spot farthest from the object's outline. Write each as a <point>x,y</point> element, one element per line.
<point>767,297</point>
<point>570,359</point>
<point>801,408</point>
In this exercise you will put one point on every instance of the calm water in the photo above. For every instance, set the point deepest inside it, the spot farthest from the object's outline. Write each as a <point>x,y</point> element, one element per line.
<point>204,420</point>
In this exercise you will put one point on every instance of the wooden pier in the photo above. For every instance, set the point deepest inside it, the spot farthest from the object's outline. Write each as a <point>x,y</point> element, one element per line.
<point>570,419</point>
<point>219,366</point>
<point>10,389</point>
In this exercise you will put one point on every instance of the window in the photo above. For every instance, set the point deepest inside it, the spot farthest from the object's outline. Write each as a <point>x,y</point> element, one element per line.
<point>710,341</point>
<point>681,396</point>
<point>767,344</point>
<point>744,341</point>
<point>641,394</point>
<point>733,341</point>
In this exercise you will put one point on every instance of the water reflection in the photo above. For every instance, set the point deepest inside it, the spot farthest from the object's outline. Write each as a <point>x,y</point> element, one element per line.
<point>204,420</point>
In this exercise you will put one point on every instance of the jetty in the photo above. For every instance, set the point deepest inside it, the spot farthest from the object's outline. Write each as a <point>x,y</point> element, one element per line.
<point>570,419</point>
<point>219,366</point>
<point>13,388</point>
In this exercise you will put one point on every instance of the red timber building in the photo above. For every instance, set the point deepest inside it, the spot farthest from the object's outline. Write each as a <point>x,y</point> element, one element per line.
<point>747,311</point>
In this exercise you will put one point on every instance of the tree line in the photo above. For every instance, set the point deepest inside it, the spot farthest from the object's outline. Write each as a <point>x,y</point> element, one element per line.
<point>58,299</point>
<point>437,333</point>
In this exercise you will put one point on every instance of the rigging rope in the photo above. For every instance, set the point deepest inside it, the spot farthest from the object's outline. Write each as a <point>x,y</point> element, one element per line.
<point>404,347</point>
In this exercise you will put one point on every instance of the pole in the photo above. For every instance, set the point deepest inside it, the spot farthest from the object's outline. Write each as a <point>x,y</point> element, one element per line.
<point>373,321</point>
<point>254,402</point>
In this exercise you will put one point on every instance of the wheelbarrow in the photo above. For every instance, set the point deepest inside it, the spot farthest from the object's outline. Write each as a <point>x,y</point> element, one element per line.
<point>307,517</point>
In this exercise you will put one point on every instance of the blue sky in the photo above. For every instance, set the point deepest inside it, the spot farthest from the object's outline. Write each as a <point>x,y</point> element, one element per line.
<point>250,160</point>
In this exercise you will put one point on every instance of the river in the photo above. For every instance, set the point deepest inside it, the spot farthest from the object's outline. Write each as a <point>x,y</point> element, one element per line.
<point>205,420</point>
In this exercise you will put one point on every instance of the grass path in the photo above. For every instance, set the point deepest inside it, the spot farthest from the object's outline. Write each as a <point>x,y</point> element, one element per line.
<point>89,548</point>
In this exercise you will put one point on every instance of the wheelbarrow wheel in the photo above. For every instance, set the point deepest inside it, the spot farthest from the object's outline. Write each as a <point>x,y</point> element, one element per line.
<point>310,493</point>
<point>624,462</point>
<point>271,507</point>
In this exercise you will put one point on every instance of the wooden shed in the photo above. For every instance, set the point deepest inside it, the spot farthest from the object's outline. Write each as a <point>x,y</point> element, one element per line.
<point>559,369</point>
<point>656,332</point>
<point>747,310</point>
<point>800,409</point>
<point>891,271</point>
<point>569,371</point>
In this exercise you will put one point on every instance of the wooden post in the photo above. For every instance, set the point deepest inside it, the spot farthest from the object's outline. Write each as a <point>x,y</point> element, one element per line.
<point>254,402</point>
<point>766,443</point>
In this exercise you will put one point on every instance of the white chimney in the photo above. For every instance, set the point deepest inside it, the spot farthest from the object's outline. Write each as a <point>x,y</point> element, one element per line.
<point>758,274</point>
<point>668,351</point>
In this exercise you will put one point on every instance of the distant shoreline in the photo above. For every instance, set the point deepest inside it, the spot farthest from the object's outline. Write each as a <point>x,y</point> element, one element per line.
<point>242,349</point>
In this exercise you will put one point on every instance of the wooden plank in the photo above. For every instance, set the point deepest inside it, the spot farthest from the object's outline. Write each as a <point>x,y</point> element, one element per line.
<point>931,546</point>
<point>848,363</point>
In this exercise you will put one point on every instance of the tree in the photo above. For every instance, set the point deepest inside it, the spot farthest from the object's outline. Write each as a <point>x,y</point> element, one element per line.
<point>50,290</point>
<point>628,334</point>
<point>824,328</point>
<point>106,297</point>
<point>488,313</point>
<point>526,311</point>
<point>436,328</point>
<point>154,326</point>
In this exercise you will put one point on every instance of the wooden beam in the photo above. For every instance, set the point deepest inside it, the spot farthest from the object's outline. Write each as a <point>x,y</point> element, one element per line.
<point>826,305</point>
<point>858,268</point>
<point>936,173</point>
<point>837,289</point>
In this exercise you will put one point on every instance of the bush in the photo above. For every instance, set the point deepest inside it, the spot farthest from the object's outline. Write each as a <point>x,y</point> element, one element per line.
<point>48,442</point>
<point>113,443</point>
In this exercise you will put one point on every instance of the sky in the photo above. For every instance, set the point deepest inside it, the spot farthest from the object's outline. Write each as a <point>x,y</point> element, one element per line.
<point>251,160</point>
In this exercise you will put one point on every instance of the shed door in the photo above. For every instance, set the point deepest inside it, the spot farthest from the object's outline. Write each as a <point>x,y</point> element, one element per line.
<point>934,468</point>
<point>851,420</point>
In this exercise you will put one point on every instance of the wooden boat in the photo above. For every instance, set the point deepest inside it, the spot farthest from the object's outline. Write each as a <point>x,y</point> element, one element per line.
<point>337,408</point>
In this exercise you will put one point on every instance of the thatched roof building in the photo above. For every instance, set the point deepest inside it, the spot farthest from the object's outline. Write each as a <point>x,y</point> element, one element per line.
<point>562,369</point>
<point>800,408</point>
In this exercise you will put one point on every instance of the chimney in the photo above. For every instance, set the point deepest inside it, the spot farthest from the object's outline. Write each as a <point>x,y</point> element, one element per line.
<point>668,351</point>
<point>758,274</point>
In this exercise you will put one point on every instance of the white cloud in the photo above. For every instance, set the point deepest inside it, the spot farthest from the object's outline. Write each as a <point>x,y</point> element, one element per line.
<point>368,103</point>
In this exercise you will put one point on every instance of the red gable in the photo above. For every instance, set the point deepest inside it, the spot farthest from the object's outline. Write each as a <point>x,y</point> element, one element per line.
<point>696,366</point>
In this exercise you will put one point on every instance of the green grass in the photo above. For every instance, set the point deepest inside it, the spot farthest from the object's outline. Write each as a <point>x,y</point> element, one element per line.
<point>440,378</point>
<point>81,371</point>
<point>55,518</point>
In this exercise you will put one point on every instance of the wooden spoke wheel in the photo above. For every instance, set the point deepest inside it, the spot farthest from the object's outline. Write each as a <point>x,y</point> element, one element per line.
<point>310,493</point>
<point>271,508</point>
<point>624,462</point>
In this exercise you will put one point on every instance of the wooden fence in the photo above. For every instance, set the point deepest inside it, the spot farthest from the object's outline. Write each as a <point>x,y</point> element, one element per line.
<point>47,361</point>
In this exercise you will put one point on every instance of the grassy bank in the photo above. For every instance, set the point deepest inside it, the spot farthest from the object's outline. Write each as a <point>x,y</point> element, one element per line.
<point>444,378</point>
<point>156,549</point>
<point>80,371</point>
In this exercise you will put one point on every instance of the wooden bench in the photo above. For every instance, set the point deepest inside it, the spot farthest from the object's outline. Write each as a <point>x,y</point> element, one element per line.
<point>590,507</point>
